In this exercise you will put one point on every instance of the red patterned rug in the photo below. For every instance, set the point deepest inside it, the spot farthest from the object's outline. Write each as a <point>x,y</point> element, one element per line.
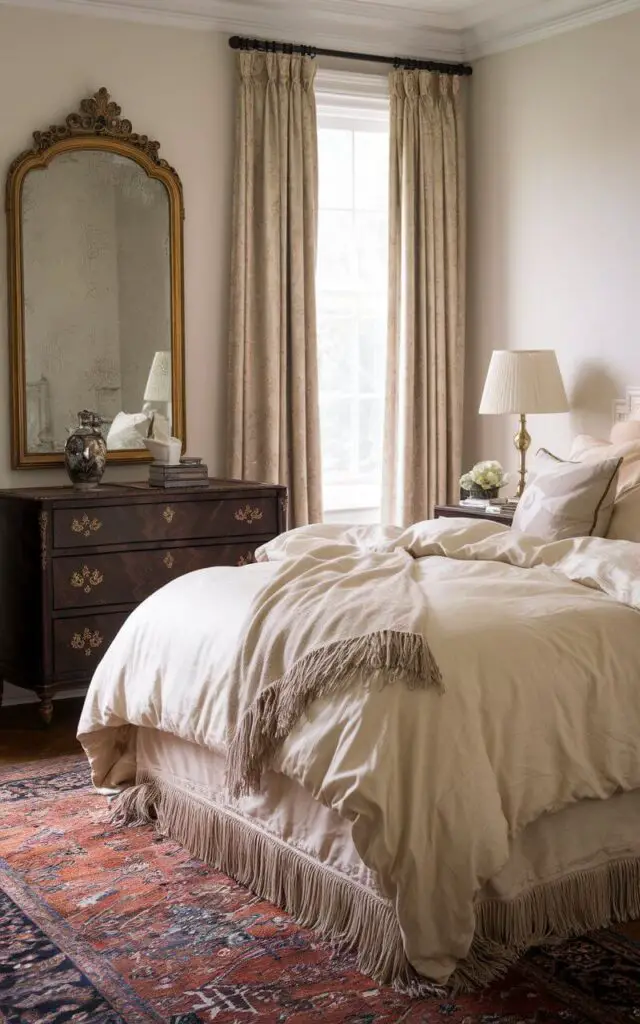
<point>105,926</point>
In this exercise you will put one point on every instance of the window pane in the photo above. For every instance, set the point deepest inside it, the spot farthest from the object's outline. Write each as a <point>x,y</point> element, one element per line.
<point>335,168</point>
<point>371,158</point>
<point>372,338</point>
<point>335,351</point>
<point>336,254</point>
<point>337,437</point>
<point>371,245</point>
<point>371,416</point>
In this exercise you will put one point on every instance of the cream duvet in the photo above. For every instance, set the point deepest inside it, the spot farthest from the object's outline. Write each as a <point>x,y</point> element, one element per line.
<point>538,650</point>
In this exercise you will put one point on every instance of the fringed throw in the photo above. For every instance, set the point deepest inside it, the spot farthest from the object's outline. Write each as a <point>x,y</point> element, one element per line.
<point>355,918</point>
<point>322,672</point>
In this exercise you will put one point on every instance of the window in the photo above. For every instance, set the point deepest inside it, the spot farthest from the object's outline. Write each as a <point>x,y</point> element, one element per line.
<point>351,285</point>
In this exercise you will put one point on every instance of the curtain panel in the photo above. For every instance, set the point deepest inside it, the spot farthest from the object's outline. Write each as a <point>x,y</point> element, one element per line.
<point>273,421</point>
<point>426,327</point>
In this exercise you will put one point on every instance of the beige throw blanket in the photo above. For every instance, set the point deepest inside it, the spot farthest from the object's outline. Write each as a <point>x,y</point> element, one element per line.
<point>539,651</point>
<point>317,626</point>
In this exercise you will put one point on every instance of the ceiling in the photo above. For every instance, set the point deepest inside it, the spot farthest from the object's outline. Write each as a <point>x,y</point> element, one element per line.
<point>445,29</point>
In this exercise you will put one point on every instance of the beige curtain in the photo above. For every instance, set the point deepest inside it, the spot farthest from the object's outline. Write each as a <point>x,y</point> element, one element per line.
<point>273,387</point>
<point>427,240</point>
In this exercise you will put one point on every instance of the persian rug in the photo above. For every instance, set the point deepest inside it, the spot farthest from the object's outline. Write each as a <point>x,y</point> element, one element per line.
<point>107,926</point>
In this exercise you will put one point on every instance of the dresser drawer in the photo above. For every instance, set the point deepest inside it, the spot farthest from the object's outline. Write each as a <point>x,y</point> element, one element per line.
<point>80,642</point>
<point>126,577</point>
<point>165,520</point>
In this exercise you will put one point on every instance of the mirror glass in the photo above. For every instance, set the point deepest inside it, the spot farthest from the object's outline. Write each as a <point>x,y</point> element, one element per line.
<point>96,269</point>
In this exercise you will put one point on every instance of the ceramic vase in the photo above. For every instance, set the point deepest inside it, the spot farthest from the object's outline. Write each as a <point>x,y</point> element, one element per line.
<point>85,453</point>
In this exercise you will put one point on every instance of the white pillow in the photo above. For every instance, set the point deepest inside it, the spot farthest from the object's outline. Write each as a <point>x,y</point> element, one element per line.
<point>589,449</point>
<point>567,499</point>
<point>128,430</point>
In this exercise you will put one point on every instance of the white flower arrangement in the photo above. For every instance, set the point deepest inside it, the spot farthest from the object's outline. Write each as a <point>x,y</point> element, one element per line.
<point>487,476</point>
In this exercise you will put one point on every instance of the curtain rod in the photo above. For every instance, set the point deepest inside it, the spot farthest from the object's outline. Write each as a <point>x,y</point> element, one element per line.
<point>241,43</point>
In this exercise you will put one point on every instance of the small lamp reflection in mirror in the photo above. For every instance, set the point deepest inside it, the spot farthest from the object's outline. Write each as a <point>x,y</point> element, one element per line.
<point>157,394</point>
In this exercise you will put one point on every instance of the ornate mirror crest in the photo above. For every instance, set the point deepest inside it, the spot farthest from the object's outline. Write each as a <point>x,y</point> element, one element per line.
<point>96,127</point>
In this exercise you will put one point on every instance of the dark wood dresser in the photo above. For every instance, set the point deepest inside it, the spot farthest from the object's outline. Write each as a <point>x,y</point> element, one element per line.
<point>74,564</point>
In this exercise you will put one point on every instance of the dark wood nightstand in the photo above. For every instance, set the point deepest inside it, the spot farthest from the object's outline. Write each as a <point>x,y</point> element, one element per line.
<point>448,511</point>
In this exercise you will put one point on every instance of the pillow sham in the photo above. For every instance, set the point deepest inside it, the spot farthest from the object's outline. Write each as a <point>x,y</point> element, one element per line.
<point>567,499</point>
<point>589,449</point>
<point>128,430</point>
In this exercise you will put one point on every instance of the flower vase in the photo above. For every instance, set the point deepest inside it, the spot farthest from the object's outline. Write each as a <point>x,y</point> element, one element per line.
<point>485,495</point>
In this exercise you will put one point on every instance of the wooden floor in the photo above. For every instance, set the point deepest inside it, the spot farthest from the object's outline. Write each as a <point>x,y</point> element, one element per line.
<point>24,738</point>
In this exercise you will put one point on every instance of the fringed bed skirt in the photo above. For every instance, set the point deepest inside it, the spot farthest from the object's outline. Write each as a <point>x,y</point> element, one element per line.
<point>353,917</point>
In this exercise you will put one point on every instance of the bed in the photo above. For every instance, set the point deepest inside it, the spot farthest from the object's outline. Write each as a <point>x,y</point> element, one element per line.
<point>439,829</point>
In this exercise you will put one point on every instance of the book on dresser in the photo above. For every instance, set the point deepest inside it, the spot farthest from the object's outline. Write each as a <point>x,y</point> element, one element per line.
<point>74,564</point>
<point>190,473</point>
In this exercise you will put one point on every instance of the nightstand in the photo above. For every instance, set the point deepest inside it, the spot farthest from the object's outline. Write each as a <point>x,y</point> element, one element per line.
<point>448,511</point>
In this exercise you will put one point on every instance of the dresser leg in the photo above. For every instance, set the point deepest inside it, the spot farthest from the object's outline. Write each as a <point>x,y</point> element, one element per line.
<point>45,710</point>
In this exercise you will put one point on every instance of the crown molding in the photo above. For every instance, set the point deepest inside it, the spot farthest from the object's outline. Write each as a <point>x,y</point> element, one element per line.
<point>513,29</point>
<point>446,30</point>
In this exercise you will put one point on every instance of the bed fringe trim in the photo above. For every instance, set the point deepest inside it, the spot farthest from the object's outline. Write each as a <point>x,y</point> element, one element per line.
<point>322,672</point>
<point>352,918</point>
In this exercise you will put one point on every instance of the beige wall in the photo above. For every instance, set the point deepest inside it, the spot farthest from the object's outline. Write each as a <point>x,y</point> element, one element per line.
<point>176,86</point>
<point>555,225</point>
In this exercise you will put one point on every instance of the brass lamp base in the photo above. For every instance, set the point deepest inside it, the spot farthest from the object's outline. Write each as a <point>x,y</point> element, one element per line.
<point>522,441</point>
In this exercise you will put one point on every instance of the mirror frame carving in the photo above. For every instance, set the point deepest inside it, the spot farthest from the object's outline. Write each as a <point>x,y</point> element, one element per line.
<point>97,126</point>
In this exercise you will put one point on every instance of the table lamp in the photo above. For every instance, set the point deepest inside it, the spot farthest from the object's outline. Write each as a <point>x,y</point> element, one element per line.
<point>158,389</point>
<point>523,381</point>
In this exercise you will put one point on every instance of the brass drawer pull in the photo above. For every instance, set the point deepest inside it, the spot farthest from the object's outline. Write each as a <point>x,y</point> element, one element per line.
<point>245,559</point>
<point>248,514</point>
<point>168,514</point>
<point>86,526</point>
<point>86,578</point>
<point>86,641</point>
<point>168,560</point>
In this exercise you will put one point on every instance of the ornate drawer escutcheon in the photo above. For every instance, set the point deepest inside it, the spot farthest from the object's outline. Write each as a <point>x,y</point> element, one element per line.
<point>168,560</point>
<point>86,526</point>
<point>248,514</point>
<point>86,578</point>
<point>86,641</point>
<point>168,514</point>
<point>245,559</point>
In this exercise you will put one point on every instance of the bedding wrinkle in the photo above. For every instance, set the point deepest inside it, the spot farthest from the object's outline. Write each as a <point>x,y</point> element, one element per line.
<point>538,710</point>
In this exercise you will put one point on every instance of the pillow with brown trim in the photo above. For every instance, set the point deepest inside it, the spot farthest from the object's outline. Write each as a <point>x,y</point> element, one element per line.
<point>567,499</point>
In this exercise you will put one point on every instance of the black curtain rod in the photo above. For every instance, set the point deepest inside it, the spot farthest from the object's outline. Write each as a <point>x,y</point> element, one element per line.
<point>241,43</point>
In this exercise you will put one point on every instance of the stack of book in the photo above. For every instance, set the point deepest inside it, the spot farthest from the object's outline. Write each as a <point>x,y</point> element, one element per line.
<point>189,472</point>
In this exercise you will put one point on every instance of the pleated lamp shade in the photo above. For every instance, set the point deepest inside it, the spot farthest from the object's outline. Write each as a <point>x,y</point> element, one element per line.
<point>158,387</point>
<point>523,381</point>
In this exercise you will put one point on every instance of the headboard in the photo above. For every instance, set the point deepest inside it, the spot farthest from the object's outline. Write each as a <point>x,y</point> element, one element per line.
<point>627,408</point>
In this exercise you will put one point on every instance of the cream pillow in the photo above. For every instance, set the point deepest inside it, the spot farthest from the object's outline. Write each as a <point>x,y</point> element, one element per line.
<point>590,450</point>
<point>628,430</point>
<point>567,499</point>
<point>625,521</point>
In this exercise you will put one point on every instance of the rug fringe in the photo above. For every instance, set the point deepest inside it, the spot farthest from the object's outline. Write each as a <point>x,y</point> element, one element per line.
<point>352,917</point>
<point>322,672</point>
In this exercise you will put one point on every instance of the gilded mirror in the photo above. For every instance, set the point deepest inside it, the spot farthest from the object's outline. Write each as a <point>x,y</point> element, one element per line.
<point>95,286</point>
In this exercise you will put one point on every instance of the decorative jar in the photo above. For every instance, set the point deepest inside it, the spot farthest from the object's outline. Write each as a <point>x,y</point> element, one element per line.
<point>85,453</point>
